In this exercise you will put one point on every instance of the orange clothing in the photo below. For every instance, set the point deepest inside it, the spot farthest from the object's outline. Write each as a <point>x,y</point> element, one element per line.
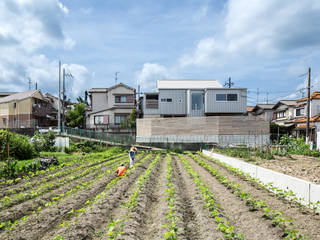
<point>121,171</point>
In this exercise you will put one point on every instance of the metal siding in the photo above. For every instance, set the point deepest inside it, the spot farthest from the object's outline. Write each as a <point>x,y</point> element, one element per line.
<point>176,106</point>
<point>212,106</point>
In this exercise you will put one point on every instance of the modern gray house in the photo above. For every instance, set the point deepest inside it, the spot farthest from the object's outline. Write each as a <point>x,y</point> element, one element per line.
<point>193,98</point>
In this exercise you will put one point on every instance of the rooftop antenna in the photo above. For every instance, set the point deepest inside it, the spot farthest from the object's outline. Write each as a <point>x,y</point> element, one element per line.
<point>116,77</point>
<point>229,84</point>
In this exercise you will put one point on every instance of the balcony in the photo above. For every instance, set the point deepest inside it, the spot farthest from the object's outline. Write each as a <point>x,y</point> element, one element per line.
<point>40,111</point>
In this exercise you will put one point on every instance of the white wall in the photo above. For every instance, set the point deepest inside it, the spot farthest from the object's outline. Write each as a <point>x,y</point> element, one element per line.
<point>309,191</point>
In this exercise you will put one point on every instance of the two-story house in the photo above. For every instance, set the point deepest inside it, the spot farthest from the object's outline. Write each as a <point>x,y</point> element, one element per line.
<point>284,112</point>
<point>110,106</point>
<point>24,110</point>
<point>193,98</point>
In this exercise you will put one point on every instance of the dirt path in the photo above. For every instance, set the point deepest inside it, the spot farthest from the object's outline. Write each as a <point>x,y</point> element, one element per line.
<point>88,225</point>
<point>147,217</point>
<point>197,221</point>
<point>251,224</point>
<point>303,218</point>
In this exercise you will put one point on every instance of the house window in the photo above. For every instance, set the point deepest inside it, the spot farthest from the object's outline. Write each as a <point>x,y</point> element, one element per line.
<point>122,99</point>
<point>120,118</point>
<point>100,119</point>
<point>196,101</point>
<point>14,105</point>
<point>281,114</point>
<point>4,121</point>
<point>299,112</point>
<point>166,99</point>
<point>226,97</point>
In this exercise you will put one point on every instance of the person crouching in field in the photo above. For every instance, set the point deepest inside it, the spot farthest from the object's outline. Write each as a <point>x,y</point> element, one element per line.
<point>132,154</point>
<point>121,171</point>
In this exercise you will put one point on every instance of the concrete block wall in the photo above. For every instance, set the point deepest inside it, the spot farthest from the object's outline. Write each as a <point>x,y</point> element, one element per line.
<point>309,191</point>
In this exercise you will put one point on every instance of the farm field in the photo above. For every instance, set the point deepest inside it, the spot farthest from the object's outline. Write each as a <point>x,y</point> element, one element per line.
<point>164,196</point>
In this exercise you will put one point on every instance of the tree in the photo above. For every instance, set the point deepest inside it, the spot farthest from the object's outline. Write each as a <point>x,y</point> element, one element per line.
<point>131,120</point>
<point>76,117</point>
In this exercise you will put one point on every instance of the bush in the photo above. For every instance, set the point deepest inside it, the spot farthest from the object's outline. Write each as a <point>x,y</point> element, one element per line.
<point>19,145</point>
<point>44,142</point>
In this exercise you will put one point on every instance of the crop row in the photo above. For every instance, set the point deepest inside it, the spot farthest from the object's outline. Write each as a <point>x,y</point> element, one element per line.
<point>23,196</point>
<point>9,225</point>
<point>211,205</point>
<point>57,175</point>
<point>172,219</point>
<point>90,202</point>
<point>254,204</point>
<point>115,226</point>
<point>68,161</point>
<point>290,195</point>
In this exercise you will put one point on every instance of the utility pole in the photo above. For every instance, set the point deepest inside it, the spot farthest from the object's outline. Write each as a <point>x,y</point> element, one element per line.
<point>228,83</point>
<point>36,86</point>
<point>63,89</point>
<point>267,97</point>
<point>308,106</point>
<point>29,81</point>
<point>59,97</point>
<point>116,77</point>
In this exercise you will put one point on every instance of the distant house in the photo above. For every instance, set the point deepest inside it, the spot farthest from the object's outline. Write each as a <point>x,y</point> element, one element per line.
<point>193,98</point>
<point>6,94</point>
<point>110,106</point>
<point>264,111</point>
<point>284,113</point>
<point>24,110</point>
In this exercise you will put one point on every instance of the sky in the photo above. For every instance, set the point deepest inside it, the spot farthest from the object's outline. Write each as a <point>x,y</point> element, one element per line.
<point>264,46</point>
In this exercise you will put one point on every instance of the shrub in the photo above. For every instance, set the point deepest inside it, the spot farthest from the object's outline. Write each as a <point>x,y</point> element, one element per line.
<point>19,145</point>
<point>44,142</point>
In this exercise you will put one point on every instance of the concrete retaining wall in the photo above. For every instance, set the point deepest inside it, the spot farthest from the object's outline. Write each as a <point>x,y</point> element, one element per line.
<point>309,191</point>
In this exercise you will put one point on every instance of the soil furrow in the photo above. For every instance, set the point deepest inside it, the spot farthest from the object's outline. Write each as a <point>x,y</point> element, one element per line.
<point>302,218</point>
<point>87,225</point>
<point>245,221</point>
<point>38,225</point>
<point>149,214</point>
<point>27,207</point>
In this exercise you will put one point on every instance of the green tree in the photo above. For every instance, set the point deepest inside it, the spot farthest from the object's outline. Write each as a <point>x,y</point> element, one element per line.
<point>76,117</point>
<point>131,120</point>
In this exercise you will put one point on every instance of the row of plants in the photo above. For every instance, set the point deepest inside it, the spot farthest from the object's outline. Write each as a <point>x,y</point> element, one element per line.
<point>116,226</point>
<point>10,225</point>
<point>210,203</point>
<point>8,201</point>
<point>76,212</point>
<point>65,161</point>
<point>59,174</point>
<point>275,216</point>
<point>281,193</point>
<point>171,215</point>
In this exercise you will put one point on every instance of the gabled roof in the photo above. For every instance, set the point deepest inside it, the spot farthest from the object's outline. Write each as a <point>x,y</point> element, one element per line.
<point>263,106</point>
<point>285,102</point>
<point>19,96</point>
<point>314,95</point>
<point>104,90</point>
<point>187,84</point>
<point>315,118</point>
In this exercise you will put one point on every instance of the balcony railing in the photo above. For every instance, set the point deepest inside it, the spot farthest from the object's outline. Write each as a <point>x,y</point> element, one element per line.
<point>40,111</point>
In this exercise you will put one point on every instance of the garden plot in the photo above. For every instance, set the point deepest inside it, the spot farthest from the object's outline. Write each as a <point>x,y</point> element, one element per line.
<point>164,196</point>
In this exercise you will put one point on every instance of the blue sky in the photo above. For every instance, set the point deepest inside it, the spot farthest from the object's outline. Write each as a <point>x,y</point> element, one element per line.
<point>265,45</point>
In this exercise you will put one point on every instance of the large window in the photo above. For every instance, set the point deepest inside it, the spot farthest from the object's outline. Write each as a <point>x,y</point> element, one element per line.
<point>281,114</point>
<point>124,99</point>
<point>299,112</point>
<point>166,99</point>
<point>196,101</point>
<point>230,97</point>
<point>101,119</point>
<point>120,118</point>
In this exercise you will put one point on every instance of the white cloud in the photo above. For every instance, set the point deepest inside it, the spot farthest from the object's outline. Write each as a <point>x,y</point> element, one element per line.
<point>35,25</point>
<point>150,73</point>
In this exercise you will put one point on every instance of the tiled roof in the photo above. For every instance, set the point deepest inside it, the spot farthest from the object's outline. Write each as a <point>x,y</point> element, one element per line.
<point>19,96</point>
<point>315,118</point>
<point>314,95</point>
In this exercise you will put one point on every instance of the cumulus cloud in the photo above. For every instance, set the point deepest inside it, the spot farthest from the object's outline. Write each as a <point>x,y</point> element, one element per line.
<point>259,29</point>
<point>34,25</point>
<point>150,73</point>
